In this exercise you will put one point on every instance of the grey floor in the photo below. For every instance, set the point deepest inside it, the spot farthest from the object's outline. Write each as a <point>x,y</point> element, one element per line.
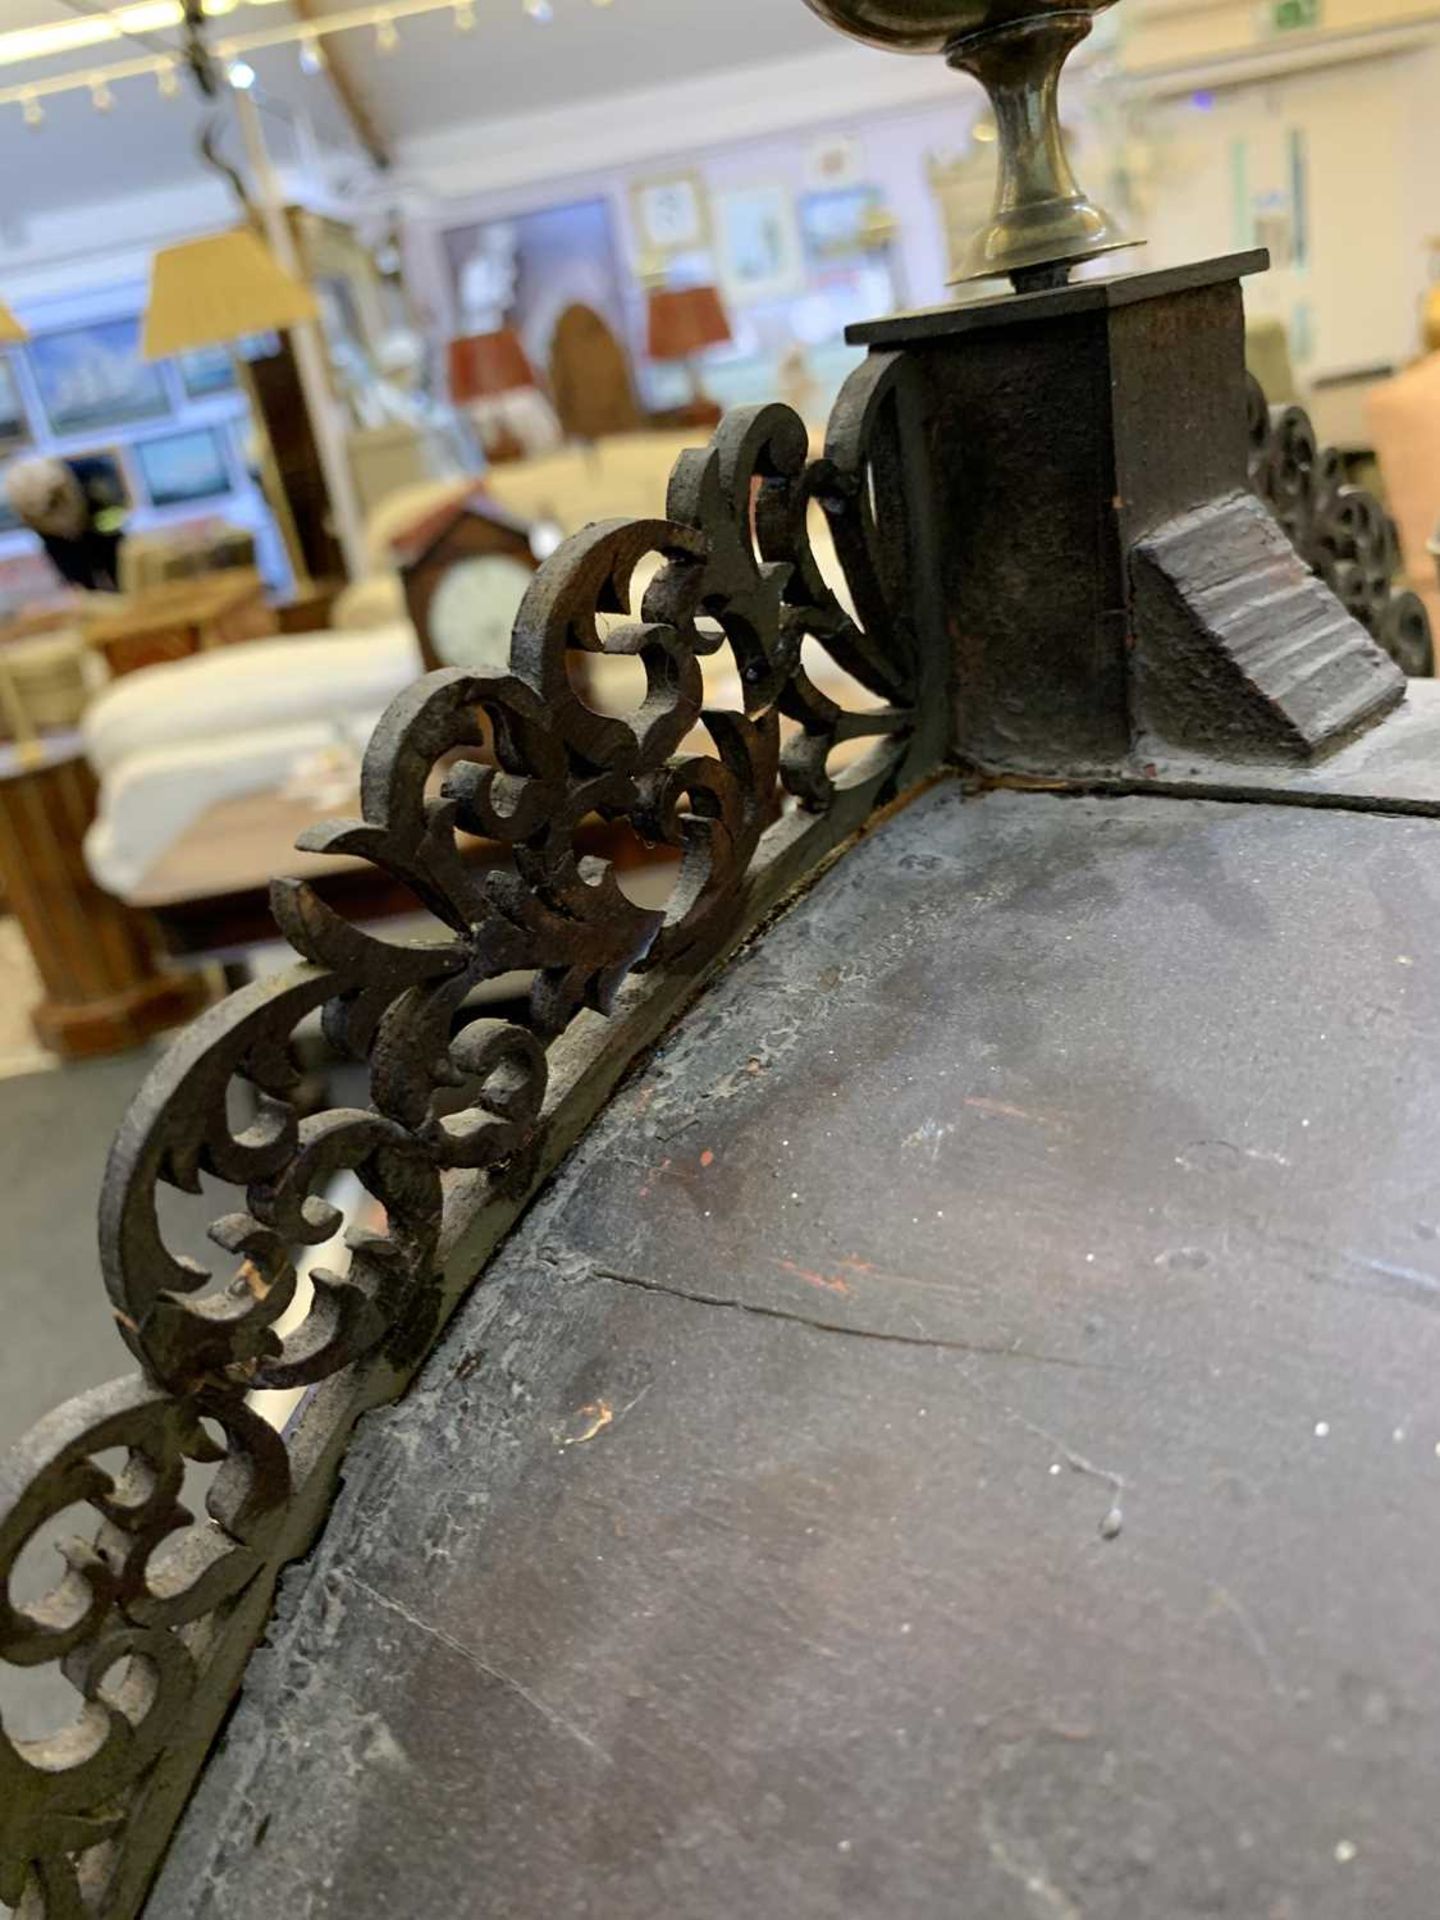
<point>55,1131</point>
<point>58,1334</point>
<point>59,1338</point>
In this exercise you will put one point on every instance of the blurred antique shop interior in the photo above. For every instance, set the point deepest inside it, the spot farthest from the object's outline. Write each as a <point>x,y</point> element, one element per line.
<point>323,325</point>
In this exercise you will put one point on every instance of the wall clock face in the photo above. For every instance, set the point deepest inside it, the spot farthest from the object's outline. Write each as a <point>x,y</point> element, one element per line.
<point>474,610</point>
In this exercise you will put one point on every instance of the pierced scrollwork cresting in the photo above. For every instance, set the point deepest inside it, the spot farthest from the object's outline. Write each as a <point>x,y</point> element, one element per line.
<point>1340,531</point>
<point>157,1605</point>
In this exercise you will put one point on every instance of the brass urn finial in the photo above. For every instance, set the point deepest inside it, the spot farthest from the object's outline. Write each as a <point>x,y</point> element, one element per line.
<point>1042,224</point>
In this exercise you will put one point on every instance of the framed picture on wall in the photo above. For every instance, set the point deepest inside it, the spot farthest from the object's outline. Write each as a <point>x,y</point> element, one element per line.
<point>528,270</point>
<point>92,377</point>
<point>184,467</point>
<point>964,189</point>
<point>843,224</point>
<point>206,371</point>
<point>835,160</point>
<point>355,312</point>
<point>760,253</point>
<point>14,424</point>
<point>671,215</point>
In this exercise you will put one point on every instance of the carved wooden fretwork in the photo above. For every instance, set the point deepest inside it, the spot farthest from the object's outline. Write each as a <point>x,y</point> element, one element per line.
<point>158,1606</point>
<point>1340,531</point>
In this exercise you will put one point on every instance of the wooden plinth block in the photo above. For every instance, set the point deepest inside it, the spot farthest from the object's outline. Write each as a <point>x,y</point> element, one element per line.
<point>1240,649</point>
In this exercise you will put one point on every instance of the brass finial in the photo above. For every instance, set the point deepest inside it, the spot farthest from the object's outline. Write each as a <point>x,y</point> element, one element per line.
<point>1042,224</point>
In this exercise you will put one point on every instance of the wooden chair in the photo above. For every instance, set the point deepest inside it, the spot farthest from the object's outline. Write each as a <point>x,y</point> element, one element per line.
<point>591,380</point>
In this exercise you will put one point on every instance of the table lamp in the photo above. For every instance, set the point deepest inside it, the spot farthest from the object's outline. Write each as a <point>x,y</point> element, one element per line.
<point>224,287</point>
<point>686,322</point>
<point>485,365</point>
<point>212,292</point>
<point>485,369</point>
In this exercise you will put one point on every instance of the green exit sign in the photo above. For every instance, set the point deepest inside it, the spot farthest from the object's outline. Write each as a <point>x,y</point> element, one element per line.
<point>1293,16</point>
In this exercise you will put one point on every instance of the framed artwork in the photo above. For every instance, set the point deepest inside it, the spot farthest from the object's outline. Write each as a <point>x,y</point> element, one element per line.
<point>964,190</point>
<point>354,311</point>
<point>671,215</point>
<point>14,425</point>
<point>91,378</point>
<point>842,224</point>
<point>528,270</point>
<point>760,255</point>
<point>184,467</point>
<point>837,160</point>
<point>206,371</point>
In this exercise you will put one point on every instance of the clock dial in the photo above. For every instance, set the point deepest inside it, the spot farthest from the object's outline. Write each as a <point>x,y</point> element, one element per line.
<point>474,609</point>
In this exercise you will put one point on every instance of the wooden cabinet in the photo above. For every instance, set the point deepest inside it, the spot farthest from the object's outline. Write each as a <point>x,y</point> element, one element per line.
<point>104,989</point>
<point>182,617</point>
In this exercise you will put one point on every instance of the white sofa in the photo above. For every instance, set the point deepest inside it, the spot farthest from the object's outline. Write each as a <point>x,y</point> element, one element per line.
<point>170,741</point>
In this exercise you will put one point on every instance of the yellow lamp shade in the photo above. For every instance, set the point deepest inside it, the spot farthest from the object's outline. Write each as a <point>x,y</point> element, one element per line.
<point>224,287</point>
<point>11,331</point>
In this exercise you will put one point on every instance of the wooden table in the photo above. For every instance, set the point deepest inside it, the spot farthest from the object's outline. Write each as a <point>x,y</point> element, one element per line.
<point>209,893</point>
<point>310,607</point>
<point>181,617</point>
<point>42,617</point>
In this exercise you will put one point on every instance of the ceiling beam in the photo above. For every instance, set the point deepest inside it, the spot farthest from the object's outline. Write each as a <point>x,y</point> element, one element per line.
<point>351,98</point>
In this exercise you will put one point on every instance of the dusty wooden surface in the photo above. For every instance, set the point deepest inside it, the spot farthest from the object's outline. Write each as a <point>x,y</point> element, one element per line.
<point>958,1438</point>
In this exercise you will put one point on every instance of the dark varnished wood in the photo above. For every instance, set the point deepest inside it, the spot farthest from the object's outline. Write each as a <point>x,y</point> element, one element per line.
<point>1037,1522</point>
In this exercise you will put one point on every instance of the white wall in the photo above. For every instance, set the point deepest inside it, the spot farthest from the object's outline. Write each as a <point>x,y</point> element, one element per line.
<point>742,128</point>
<point>671,122</point>
<point>67,255</point>
<point>58,255</point>
<point>894,148</point>
<point>1374,140</point>
<point>1372,133</point>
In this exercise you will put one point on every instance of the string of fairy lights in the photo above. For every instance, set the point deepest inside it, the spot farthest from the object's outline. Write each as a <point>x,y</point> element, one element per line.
<point>308,37</point>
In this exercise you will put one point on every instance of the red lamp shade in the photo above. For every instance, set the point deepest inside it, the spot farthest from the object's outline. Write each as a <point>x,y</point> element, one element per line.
<point>685,321</point>
<point>488,363</point>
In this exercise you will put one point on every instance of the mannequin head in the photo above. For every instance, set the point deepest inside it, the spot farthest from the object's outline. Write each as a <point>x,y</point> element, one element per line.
<point>48,498</point>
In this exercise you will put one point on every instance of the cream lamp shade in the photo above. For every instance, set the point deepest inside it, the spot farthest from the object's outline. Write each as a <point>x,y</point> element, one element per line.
<point>224,287</point>
<point>11,331</point>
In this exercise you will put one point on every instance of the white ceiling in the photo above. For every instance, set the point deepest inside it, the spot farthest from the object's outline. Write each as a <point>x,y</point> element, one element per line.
<point>510,64</point>
<point>79,156</point>
<point>436,78</point>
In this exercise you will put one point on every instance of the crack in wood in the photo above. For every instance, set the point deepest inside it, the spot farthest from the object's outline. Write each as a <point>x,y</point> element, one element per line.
<point>920,1342</point>
<point>482,1667</point>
